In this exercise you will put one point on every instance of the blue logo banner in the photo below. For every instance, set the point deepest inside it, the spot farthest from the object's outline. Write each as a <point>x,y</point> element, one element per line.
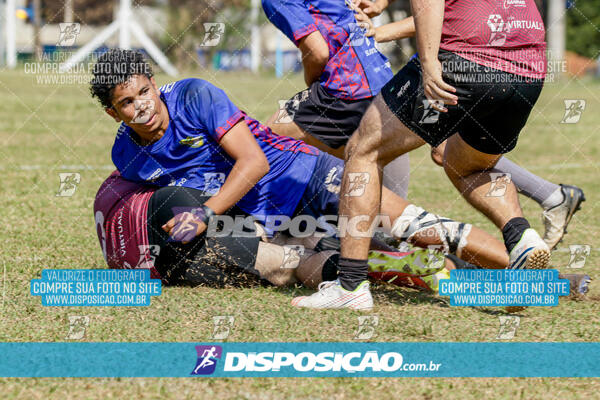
<point>338,359</point>
<point>96,287</point>
<point>504,287</point>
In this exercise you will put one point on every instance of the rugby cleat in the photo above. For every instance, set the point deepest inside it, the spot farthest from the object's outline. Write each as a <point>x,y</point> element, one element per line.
<point>415,221</point>
<point>331,294</point>
<point>531,252</point>
<point>558,217</point>
<point>579,284</point>
<point>416,262</point>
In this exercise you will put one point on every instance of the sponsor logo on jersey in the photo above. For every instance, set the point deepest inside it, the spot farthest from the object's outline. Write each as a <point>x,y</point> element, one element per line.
<point>192,141</point>
<point>514,3</point>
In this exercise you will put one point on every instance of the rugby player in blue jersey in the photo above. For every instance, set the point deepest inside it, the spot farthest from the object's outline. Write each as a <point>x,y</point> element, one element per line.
<point>344,71</point>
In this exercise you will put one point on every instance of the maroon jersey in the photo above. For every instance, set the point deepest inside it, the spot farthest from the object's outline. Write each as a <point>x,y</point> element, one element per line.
<point>120,210</point>
<point>503,34</point>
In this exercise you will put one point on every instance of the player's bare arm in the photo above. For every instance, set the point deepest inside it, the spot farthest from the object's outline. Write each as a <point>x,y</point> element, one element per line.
<point>250,165</point>
<point>372,8</point>
<point>429,18</point>
<point>315,55</point>
<point>402,29</point>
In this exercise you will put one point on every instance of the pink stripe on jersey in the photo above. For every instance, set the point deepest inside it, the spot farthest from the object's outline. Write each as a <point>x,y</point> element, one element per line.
<point>120,211</point>
<point>503,34</point>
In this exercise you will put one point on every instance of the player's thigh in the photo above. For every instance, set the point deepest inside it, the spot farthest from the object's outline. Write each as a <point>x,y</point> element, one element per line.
<point>291,129</point>
<point>461,159</point>
<point>381,136</point>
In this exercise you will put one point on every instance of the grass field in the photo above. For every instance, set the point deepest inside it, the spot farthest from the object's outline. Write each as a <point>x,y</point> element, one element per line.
<point>46,129</point>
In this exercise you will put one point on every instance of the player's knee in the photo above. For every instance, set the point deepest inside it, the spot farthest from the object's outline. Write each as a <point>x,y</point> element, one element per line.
<point>281,279</point>
<point>363,144</point>
<point>437,155</point>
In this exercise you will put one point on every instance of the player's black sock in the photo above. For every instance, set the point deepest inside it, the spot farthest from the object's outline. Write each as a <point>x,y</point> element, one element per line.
<point>328,243</point>
<point>330,268</point>
<point>352,272</point>
<point>513,230</point>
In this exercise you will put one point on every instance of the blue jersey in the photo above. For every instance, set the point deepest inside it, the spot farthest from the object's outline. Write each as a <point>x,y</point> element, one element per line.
<point>189,153</point>
<point>356,69</point>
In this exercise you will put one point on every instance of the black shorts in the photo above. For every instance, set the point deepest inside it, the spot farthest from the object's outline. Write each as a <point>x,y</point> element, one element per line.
<point>328,118</point>
<point>214,261</point>
<point>492,108</point>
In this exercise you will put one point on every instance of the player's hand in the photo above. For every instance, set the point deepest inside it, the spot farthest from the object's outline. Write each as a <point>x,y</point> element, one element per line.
<point>437,91</point>
<point>371,8</point>
<point>365,23</point>
<point>184,227</point>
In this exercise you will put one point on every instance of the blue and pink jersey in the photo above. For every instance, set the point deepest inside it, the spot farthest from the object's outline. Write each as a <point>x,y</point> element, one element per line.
<point>356,69</point>
<point>189,153</point>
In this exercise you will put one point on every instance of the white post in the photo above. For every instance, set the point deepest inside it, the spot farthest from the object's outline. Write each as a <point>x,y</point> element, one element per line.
<point>125,25</point>
<point>556,28</point>
<point>68,11</point>
<point>255,37</point>
<point>89,47</point>
<point>151,48</point>
<point>124,16</point>
<point>11,34</point>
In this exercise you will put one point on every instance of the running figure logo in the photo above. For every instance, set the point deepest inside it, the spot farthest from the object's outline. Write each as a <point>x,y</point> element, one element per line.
<point>208,357</point>
<point>498,30</point>
<point>579,253</point>
<point>68,183</point>
<point>144,111</point>
<point>291,256</point>
<point>508,327</point>
<point>283,116</point>
<point>430,114</point>
<point>213,182</point>
<point>68,33</point>
<point>366,327</point>
<point>573,111</point>
<point>499,184</point>
<point>357,34</point>
<point>213,32</point>
<point>222,326</point>
<point>77,326</point>
<point>357,183</point>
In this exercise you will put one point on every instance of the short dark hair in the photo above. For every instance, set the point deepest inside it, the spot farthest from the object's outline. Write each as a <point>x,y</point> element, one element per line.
<point>113,68</point>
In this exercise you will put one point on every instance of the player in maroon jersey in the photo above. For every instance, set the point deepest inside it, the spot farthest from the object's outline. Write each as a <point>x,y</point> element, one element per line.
<point>132,220</point>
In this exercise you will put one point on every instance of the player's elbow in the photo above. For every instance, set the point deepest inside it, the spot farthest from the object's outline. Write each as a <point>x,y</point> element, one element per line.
<point>260,164</point>
<point>317,57</point>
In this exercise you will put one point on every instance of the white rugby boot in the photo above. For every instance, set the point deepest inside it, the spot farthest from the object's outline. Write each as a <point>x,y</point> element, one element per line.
<point>331,294</point>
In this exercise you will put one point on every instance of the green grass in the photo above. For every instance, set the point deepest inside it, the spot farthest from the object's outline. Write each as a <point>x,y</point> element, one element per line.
<point>47,129</point>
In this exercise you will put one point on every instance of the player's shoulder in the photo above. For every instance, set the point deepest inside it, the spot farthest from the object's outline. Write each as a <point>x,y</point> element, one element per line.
<point>122,143</point>
<point>194,89</point>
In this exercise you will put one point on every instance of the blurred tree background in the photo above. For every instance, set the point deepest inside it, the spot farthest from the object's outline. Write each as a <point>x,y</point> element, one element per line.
<point>185,28</point>
<point>583,27</point>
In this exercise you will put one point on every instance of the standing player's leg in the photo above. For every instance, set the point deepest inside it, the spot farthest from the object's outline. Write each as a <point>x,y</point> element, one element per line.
<point>396,175</point>
<point>559,202</point>
<point>380,138</point>
<point>327,122</point>
<point>471,154</point>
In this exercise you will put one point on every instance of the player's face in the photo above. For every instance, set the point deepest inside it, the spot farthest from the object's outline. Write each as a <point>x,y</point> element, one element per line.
<point>137,103</point>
